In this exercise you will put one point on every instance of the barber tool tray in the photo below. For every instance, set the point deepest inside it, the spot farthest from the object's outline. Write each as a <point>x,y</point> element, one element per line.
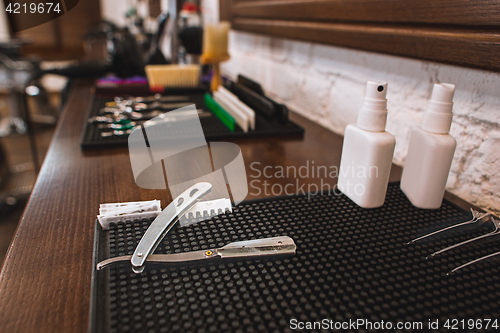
<point>100,133</point>
<point>350,265</point>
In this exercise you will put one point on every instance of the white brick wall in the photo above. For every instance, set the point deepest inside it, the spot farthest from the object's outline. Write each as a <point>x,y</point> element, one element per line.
<point>326,84</point>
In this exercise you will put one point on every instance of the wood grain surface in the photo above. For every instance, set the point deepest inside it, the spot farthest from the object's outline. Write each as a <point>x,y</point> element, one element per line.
<point>466,47</point>
<point>456,12</point>
<point>462,32</point>
<point>45,280</point>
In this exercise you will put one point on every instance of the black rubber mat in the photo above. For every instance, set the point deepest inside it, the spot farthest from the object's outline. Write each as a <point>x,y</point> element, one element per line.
<point>213,128</point>
<point>350,264</point>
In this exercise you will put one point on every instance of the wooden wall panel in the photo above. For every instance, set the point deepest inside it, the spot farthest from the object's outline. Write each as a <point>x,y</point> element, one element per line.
<point>461,32</point>
<point>461,12</point>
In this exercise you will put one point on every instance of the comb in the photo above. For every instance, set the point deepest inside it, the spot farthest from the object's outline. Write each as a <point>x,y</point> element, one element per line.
<point>205,209</point>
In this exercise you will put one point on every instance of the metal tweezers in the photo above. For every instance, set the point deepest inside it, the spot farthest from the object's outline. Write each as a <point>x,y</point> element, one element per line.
<point>166,220</point>
<point>496,224</point>
<point>477,217</point>
<point>473,262</point>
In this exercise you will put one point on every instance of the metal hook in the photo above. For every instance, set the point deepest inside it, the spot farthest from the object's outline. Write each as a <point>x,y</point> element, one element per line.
<point>473,262</point>
<point>496,223</point>
<point>476,217</point>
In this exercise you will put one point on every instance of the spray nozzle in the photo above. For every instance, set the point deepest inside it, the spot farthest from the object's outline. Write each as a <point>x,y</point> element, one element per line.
<point>438,117</point>
<point>373,113</point>
<point>443,93</point>
<point>376,90</point>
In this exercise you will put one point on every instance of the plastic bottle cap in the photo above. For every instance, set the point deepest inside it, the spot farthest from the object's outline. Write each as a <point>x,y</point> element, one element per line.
<point>438,117</point>
<point>376,90</point>
<point>373,114</point>
<point>443,93</point>
<point>190,7</point>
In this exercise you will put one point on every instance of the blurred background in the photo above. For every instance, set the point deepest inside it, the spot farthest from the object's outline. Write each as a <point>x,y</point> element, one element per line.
<point>96,38</point>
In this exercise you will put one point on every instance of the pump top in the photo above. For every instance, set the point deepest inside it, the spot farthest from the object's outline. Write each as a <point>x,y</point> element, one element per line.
<point>373,114</point>
<point>438,117</point>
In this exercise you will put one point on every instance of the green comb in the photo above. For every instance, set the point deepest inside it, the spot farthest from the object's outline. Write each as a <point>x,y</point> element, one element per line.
<point>219,112</point>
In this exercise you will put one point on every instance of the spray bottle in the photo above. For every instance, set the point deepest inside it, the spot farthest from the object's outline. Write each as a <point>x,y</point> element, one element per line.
<point>367,151</point>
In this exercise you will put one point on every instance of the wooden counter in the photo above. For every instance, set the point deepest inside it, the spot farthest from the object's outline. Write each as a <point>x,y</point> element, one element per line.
<point>45,280</point>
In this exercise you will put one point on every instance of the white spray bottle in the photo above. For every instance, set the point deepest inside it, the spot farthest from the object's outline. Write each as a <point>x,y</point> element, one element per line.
<point>430,152</point>
<point>367,152</point>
